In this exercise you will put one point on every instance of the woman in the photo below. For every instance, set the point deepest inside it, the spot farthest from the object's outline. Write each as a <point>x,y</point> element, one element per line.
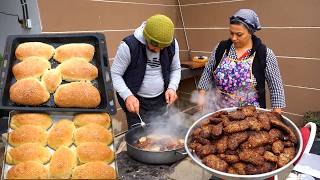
<point>239,67</point>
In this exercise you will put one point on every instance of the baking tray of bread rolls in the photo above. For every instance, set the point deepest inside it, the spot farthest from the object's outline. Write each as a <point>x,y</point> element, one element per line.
<point>59,72</point>
<point>60,145</point>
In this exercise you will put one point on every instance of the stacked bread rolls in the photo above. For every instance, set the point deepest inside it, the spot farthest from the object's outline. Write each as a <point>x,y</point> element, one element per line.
<point>70,81</point>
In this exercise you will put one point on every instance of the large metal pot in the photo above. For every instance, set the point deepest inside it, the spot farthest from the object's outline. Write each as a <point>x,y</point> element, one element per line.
<point>150,157</point>
<point>228,176</point>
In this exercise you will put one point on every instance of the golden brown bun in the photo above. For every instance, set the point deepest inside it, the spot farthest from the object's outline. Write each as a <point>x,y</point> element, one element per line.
<point>29,91</point>
<point>28,134</point>
<point>28,152</point>
<point>28,170</point>
<point>31,67</point>
<point>52,79</point>
<point>61,134</point>
<point>94,170</point>
<point>94,151</point>
<point>36,119</point>
<point>77,94</point>
<point>62,163</point>
<point>78,69</point>
<point>29,49</point>
<point>102,119</point>
<point>67,51</point>
<point>92,133</point>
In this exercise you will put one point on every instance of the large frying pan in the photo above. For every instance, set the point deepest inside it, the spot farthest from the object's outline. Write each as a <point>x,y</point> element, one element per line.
<point>150,157</point>
<point>224,175</point>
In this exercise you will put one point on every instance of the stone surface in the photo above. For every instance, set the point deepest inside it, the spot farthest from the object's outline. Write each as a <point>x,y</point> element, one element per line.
<point>129,169</point>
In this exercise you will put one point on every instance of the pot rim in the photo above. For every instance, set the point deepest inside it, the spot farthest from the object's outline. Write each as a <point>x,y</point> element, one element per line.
<point>263,175</point>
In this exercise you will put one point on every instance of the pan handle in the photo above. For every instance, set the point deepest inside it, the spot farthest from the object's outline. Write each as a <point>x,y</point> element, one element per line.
<point>2,71</point>
<point>109,86</point>
<point>182,152</point>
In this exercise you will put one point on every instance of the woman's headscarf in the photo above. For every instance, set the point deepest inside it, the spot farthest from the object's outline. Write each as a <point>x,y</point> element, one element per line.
<point>248,18</point>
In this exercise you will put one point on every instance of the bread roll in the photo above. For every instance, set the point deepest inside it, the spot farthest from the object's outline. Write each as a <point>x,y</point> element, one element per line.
<point>67,51</point>
<point>61,134</point>
<point>28,134</point>
<point>94,170</point>
<point>62,163</point>
<point>29,91</point>
<point>94,151</point>
<point>31,67</point>
<point>102,119</point>
<point>78,69</point>
<point>92,133</point>
<point>28,152</point>
<point>37,119</point>
<point>77,94</point>
<point>52,79</point>
<point>29,49</point>
<point>28,170</point>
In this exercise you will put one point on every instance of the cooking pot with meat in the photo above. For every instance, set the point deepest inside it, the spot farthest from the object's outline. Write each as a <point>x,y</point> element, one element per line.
<point>244,143</point>
<point>156,143</point>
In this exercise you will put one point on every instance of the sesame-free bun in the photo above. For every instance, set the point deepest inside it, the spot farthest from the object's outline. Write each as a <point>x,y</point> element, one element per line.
<point>68,51</point>
<point>52,79</point>
<point>31,67</point>
<point>29,49</point>
<point>78,69</point>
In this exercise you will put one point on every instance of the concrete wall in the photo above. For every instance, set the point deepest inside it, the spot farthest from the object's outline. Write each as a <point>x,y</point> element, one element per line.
<point>9,24</point>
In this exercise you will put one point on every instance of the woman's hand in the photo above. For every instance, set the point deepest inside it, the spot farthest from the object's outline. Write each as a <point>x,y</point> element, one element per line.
<point>171,96</point>
<point>132,104</point>
<point>201,99</point>
<point>277,110</point>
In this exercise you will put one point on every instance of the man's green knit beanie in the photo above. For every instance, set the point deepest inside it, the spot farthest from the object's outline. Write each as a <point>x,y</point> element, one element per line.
<point>159,31</point>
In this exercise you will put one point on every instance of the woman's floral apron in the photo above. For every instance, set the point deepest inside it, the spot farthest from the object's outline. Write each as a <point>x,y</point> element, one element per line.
<point>234,80</point>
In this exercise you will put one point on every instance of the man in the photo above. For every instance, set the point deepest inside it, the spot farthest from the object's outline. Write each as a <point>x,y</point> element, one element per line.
<point>146,70</point>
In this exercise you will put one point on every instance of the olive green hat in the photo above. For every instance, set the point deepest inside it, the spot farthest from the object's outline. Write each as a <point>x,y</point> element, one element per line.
<point>159,31</point>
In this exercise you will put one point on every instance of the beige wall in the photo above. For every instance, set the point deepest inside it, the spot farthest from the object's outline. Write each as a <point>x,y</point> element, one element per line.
<point>290,29</point>
<point>115,19</point>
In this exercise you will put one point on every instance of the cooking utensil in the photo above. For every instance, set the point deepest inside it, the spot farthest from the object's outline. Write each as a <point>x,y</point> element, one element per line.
<point>141,122</point>
<point>154,157</point>
<point>224,175</point>
<point>100,59</point>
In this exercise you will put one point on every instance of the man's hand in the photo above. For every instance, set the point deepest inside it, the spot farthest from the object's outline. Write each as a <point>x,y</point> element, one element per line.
<point>132,104</point>
<point>171,96</point>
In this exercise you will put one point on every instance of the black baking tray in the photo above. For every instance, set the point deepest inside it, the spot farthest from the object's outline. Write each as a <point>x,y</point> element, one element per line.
<point>103,83</point>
